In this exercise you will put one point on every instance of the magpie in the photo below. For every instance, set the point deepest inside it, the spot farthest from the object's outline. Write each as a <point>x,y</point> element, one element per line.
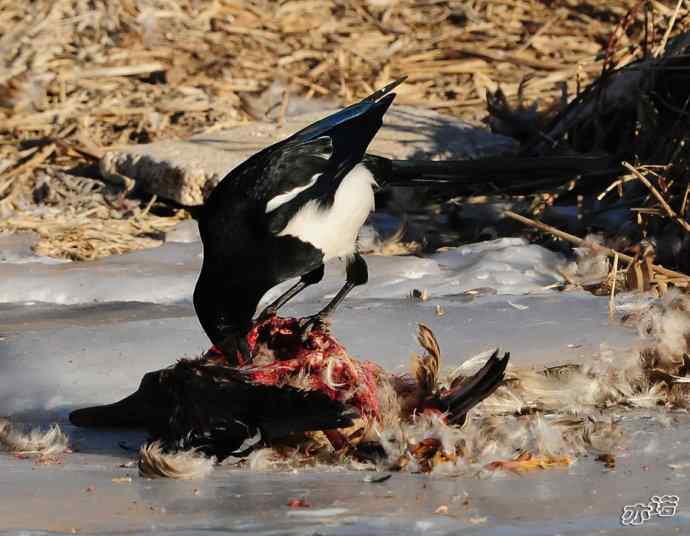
<point>295,205</point>
<point>282,214</point>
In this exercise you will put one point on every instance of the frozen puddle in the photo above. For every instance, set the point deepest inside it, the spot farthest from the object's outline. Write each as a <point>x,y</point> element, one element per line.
<point>76,334</point>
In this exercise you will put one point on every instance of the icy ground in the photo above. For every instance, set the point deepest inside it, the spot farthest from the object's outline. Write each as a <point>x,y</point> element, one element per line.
<point>74,334</point>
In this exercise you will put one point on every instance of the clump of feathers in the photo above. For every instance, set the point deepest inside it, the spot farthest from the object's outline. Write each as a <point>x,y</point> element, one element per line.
<point>666,324</point>
<point>590,266</point>
<point>34,441</point>
<point>157,462</point>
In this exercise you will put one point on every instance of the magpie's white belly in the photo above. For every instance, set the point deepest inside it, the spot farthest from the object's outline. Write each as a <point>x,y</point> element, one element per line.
<point>334,229</point>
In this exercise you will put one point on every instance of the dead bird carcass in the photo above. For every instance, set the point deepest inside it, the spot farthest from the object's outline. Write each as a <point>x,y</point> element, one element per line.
<point>293,390</point>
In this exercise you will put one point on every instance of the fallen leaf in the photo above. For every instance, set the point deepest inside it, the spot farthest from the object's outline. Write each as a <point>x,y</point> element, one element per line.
<point>48,460</point>
<point>400,463</point>
<point>529,462</point>
<point>608,459</point>
<point>443,509</point>
<point>298,503</point>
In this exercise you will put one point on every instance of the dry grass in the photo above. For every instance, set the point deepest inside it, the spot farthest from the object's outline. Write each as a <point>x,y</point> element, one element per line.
<point>78,76</point>
<point>79,219</point>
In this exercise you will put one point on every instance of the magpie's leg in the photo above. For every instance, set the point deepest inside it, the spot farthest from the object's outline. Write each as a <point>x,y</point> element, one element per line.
<point>357,274</point>
<point>311,278</point>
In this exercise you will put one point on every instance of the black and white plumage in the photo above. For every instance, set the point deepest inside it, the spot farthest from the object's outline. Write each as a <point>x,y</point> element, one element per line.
<point>282,214</point>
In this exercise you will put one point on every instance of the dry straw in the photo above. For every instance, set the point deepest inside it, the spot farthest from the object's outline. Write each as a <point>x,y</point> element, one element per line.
<point>78,76</point>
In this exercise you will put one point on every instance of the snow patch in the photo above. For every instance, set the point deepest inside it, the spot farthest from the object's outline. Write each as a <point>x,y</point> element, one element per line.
<point>167,274</point>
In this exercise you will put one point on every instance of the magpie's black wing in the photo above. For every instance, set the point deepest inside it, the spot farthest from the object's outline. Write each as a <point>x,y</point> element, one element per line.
<point>311,163</point>
<point>290,168</point>
<point>330,148</point>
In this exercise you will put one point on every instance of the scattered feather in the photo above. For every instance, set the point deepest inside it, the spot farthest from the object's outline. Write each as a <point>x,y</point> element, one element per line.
<point>426,368</point>
<point>154,462</point>
<point>680,465</point>
<point>376,479</point>
<point>34,441</point>
<point>420,295</point>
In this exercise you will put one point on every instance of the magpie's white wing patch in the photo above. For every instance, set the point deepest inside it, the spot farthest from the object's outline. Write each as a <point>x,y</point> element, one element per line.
<point>283,198</point>
<point>334,229</point>
<point>293,169</point>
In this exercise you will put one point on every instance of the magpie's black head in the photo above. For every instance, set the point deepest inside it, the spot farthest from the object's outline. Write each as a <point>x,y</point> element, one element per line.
<point>225,309</point>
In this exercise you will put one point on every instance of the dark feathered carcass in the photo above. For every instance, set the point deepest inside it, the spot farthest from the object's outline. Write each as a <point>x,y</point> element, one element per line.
<point>291,388</point>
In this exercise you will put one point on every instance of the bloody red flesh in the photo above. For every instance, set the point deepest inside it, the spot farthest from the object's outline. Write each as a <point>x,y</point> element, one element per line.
<point>319,363</point>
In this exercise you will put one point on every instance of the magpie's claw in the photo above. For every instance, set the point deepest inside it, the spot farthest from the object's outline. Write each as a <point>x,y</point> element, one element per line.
<point>308,323</point>
<point>267,313</point>
<point>246,354</point>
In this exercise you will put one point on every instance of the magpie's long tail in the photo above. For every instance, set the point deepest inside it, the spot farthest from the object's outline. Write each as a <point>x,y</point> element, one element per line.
<point>481,176</point>
<point>496,174</point>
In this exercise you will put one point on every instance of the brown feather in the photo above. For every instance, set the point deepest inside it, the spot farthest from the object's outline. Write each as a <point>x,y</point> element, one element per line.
<point>426,368</point>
